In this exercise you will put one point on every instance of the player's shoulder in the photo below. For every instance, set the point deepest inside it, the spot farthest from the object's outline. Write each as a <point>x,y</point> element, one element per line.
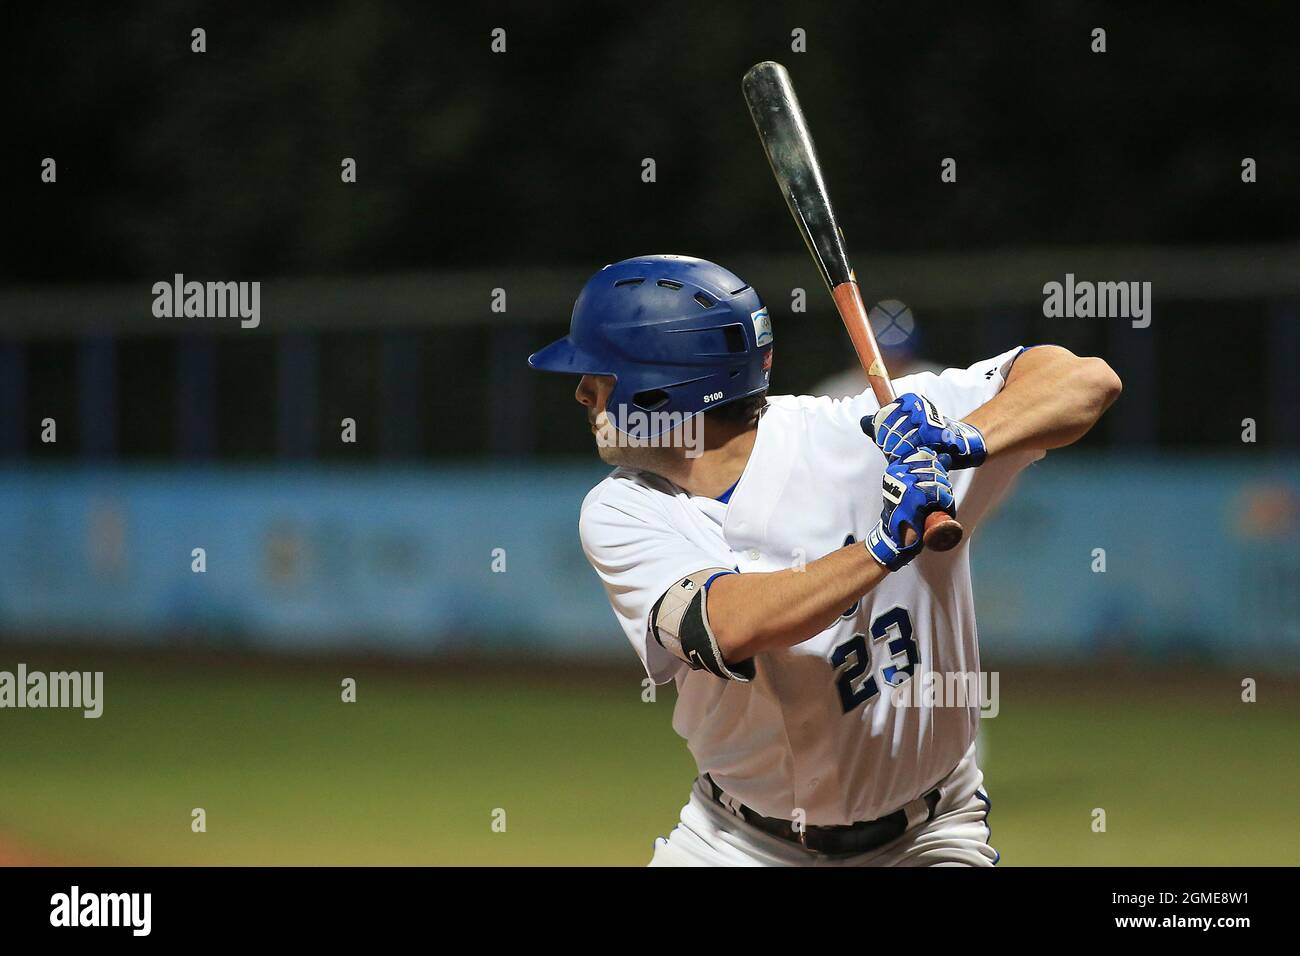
<point>627,484</point>
<point>786,404</point>
<point>986,373</point>
<point>624,494</point>
<point>804,412</point>
<point>947,387</point>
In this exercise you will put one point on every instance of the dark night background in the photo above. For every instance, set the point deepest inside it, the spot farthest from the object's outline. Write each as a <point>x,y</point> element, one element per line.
<point>495,167</point>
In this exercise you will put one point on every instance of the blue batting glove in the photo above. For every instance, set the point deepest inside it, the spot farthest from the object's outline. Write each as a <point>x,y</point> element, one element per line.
<point>913,487</point>
<point>911,422</point>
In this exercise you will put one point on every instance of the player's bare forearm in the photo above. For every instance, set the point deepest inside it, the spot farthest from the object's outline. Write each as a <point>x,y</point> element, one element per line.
<point>1051,399</point>
<point>752,613</point>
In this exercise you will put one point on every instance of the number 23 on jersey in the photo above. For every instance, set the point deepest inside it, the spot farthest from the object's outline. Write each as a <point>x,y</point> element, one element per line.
<point>857,681</point>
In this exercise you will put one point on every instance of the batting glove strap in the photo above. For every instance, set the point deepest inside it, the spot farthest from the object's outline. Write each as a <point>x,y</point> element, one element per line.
<point>890,554</point>
<point>970,442</point>
<point>912,422</point>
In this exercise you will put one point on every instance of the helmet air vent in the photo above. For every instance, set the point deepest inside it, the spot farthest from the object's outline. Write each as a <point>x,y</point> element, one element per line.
<point>735,338</point>
<point>651,399</point>
<point>704,300</point>
<point>669,283</point>
<point>628,282</point>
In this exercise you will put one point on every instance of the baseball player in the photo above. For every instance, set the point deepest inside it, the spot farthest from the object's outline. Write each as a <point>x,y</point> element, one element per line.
<point>758,551</point>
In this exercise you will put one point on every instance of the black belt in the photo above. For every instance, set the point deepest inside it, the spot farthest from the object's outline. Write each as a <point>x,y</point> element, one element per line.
<point>835,841</point>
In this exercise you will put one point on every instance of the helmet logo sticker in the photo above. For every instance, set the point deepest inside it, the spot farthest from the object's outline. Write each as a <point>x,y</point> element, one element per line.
<point>762,327</point>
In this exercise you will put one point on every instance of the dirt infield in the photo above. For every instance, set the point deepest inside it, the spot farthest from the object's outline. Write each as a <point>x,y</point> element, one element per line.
<point>13,853</point>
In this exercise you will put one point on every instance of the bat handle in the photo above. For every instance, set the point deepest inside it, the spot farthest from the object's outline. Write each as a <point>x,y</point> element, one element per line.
<point>942,532</point>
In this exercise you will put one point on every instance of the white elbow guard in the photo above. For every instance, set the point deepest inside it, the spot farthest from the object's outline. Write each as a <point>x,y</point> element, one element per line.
<point>680,625</point>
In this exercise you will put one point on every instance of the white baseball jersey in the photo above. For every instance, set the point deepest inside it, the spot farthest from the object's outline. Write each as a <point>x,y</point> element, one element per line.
<point>819,728</point>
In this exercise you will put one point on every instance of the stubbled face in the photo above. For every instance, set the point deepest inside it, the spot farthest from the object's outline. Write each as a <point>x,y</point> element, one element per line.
<point>593,394</point>
<point>613,447</point>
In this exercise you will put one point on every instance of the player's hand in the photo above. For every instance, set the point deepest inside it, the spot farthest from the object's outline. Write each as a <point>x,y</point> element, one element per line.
<point>913,487</point>
<point>911,421</point>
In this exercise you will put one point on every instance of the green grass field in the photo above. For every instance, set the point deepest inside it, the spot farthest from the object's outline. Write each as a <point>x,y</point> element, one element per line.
<point>586,772</point>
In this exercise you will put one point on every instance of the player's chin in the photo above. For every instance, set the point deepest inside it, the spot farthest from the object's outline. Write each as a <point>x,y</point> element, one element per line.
<point>609,454</point>
<point>607,446</point>
<point>622,452</point>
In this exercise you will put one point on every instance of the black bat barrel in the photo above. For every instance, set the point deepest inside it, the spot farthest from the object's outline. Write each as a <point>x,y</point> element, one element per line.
<point>789,147</point>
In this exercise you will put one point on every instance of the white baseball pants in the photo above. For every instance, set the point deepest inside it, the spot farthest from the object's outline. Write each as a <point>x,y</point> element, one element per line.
<point>958,835</point>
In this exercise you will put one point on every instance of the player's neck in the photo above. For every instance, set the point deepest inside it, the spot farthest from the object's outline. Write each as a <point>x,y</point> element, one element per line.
<point>718,467</point>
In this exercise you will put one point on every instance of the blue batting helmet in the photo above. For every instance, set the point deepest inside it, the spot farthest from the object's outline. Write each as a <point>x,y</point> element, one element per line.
<point>678,334</point>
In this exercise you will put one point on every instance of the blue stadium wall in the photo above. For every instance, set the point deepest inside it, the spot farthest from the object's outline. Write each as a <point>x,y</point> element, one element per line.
<point>1201,560</point>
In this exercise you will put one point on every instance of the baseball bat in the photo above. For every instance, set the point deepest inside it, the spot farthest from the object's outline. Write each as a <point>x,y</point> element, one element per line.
<point>789,147</point>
